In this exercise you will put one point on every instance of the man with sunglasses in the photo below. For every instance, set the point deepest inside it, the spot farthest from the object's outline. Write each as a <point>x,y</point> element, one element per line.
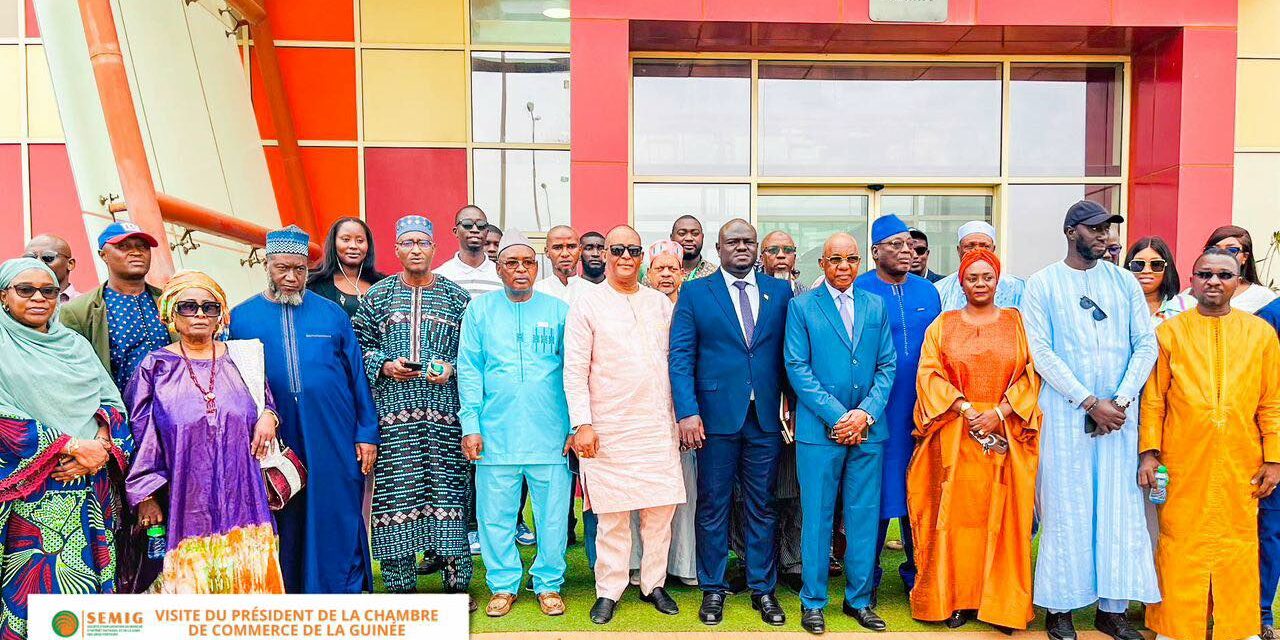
<point>56,253</point>
<point>471,267</point>
<point>315,370</point>
<point>920,261</point>
<point>1091,337</point>
<point>972,235</point>
<point>120,318</point>
<point>1211,416</point>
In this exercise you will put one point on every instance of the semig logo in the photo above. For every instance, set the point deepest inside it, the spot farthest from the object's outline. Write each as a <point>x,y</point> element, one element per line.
<point>65,624</point>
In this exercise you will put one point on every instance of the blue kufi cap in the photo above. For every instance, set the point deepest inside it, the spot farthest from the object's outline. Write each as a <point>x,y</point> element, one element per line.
<point>411,223</point>
<point>887,226</point>
<point>289,240</point>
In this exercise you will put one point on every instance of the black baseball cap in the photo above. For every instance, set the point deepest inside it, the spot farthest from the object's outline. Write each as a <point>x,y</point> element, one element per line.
<point>1088,212</point>
<point>917,234</point>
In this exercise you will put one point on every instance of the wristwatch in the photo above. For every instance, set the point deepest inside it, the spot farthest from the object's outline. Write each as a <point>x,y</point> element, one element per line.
<point>965,407</point>
<point>1123,401</point>
<point>871,420</point>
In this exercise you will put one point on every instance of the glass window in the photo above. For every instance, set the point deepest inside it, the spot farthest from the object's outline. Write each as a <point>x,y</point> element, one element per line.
<point>520,97</point>
<point>520,22</point>
<point>1065,120</point>
<point>657,206</point>
<point>811,219</point>
<point>887,119</point>
<point>522,189</point>
<point>1035,213</point>
<point>692,118</point>
<point>939,217</point>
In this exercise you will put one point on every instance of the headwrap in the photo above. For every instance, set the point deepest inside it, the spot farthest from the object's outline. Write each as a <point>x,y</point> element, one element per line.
<point>183,281</point>
<point>979,255</point>
<point>887,226</point>
<point>290,240</point>
<point>664,247</point>
<point>411,223</point>
<point>54,377</point>
<point>513,238</point>
<point>975,226</point>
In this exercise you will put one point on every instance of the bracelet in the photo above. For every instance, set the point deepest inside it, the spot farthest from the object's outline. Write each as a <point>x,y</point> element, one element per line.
<point>1000,414</point>
<point>1092,406</point>
<point>71,447</point>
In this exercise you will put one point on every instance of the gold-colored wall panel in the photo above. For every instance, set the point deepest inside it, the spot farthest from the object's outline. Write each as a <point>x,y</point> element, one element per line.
<point>413,21</point>
<point>415,96</point>
<point>1259,28</point>
<point>1256,196</point>
<point>10,99</point>
<point>42,108</point>
<point>1257,103</point>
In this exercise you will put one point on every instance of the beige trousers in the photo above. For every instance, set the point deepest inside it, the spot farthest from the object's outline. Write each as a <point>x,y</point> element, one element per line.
<point>613,550</point>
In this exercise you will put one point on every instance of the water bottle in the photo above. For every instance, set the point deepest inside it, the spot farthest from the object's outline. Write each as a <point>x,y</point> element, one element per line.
<point>156,542</point>
<point>1160,492</point>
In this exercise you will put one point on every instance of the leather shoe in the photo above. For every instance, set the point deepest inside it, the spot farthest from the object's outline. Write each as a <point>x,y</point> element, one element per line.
<point>866,616</point>
<point>957,620</point>
<point>1059,626</point>
<point>661,600</point>
<point>602,610</point>
<point>1116,625</point>
<point>813,621</point>
<point>770,611</point>
<point>794,582</point>
<point>712,610</point>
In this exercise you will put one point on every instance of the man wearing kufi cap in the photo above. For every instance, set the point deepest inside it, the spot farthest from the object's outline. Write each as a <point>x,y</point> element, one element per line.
<point>1090,333</point>
<point>316,374</point>
<point>911,304</point>
<point>408,326</point>
<point>515,424</point>
<point>977,234</point>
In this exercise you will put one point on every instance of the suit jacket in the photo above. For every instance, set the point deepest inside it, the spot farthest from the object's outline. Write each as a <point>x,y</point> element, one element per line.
<point>831,373</point>
<point>87,316</point>
<point>713,370</point>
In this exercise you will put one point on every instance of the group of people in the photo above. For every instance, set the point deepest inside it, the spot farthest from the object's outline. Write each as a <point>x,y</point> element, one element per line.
<point>701,411</point>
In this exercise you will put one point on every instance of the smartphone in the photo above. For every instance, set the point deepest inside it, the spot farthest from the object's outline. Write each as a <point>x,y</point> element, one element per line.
<point>1090,425</point>
<point>412,366</point>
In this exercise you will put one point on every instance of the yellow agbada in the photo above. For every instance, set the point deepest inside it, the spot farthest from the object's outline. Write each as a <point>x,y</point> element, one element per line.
<point>1212,410</point>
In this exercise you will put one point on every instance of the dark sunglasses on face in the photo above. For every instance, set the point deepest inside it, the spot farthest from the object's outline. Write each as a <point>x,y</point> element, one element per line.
<point>468,224</point>
<point>839,260</point>
<point>921,250</point>
<point>1087,303</point>
<point>47,257</point>
<point>27,290</point>
<point>1224,276</point>
<point>633,250</point>
<point>1235,251</point>
<point>191,308</point>
<point>1138,266</point>
<point>780,249</point>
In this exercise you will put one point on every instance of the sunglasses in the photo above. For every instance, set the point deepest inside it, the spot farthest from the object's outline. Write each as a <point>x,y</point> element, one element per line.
<point>1224,276</point>
<point>28,290</point>
<point>633,250</point>
<point>1138,266</point>
<point>191,308</point>
<point>468,224</point>
<point>47,257</point>
<point>1087,303</point>
<point>839,260</point>
<point>921,250</point>
<point>1235,251</point>
<point>778,249</point>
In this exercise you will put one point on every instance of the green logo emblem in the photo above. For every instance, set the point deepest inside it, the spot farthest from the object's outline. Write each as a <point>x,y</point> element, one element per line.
<point>65,624</point>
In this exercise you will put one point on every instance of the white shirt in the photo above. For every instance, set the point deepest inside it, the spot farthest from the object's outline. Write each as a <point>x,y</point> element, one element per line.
<point>476,280</point>
<point>753,297</point>
<point>835,297</point>
<point>567,292</point>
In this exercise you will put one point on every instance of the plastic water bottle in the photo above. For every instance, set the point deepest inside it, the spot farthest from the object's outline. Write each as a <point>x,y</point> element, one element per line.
<point>156,542</point>
<point>1160,492</point>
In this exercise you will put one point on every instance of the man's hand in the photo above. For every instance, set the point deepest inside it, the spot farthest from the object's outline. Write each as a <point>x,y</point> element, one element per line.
<point>1108,416</point>
<point>1266,479</point>
<point>1147,469</point>
<point>986,422</point>
<point>70,469</point>
<point>473,447</point>
<point>366,455</point>
<point>692,435</point>
<point>443,377</point>
<point>585,442</point>
<point>852,427</point>
<point>396,370</point>
<point>149,513</point>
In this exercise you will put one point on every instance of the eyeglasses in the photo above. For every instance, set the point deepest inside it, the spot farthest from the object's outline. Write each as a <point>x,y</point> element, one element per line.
<point>47,257</point>
<point>896,245</point>
<point>28,290</point>
<point>633,250</point>
<point>1235,251</point>
<point>1087,303</point>
<point>836,261</point>
<point>1114,250</point>
<point>921,250</point>
<point>1138,266</point>
<point>1224,276</point>
<point>191,308</point>
<point>468,224</point>
<point>778,249</point>
<point>409,245</point>
<point>514,264</point>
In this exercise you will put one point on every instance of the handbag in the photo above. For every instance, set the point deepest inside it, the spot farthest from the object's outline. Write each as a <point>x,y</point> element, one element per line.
<point>283,473</point>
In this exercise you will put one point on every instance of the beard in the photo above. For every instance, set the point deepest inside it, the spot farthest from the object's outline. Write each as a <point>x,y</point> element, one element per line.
<point>276,295</point>
<point>1085,249</point>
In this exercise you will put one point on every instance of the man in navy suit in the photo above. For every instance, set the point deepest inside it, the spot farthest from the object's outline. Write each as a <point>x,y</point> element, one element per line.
<point>727,382</point>
<point>841,363</point>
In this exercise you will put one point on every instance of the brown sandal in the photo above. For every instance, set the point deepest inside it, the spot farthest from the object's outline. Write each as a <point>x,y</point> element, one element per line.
<point>551,603</point>
<point>500,605</point>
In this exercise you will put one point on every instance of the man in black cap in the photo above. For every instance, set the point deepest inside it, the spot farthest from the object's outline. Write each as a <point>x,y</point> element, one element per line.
<point>919,244</point>
<point>1091,336</point>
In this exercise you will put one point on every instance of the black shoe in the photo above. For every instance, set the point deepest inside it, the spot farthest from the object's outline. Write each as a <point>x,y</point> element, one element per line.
<point>1008,631</point>
<point>1059,626</point>
<point>770,611</point>
<point>712,610</point>
<point>573,536</point>
<point>661,600</point>
<point>794,582</point>
<point>833,567</point>
<point>602,610</point>
<point>430,564</point>
<point>866,616</point>
<point>813,621</point>
<point>1268,632</point>
<point>957,620</point>
<point>737,583</point>
<point>1116,625</point>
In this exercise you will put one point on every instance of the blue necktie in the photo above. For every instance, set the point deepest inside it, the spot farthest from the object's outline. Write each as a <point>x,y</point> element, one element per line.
<point>744,304</point>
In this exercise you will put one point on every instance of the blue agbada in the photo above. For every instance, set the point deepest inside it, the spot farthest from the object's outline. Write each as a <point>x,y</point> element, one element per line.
<point>316,373</point>
<point>911,307</point>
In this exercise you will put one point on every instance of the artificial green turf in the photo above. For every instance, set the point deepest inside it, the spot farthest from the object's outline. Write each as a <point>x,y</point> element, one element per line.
<point>634,615</point>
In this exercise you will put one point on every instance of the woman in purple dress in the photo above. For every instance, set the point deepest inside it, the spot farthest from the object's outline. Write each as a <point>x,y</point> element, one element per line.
<point>202,423</point>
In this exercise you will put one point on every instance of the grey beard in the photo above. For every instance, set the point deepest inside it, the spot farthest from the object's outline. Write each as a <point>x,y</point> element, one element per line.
<point>291,299</point>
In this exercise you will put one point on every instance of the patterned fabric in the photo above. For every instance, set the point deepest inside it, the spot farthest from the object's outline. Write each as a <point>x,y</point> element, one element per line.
<point>290,240</point>
<point>422,486</point>
<point>411,223</point>
<point>704,269</point>
<point>133,324</point>
<point>58,537</point>
<point>243,560</point>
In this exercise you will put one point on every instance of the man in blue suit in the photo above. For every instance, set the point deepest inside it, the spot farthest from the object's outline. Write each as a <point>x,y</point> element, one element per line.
<point>727,383</point>
<point>841,363</point>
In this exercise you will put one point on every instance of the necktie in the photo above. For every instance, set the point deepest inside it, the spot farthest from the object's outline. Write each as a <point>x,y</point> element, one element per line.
<point>846,313</point>
<point>744,305</point>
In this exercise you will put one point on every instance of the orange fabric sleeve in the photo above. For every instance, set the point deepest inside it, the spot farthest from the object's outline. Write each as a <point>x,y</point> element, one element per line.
<point>934,392</point>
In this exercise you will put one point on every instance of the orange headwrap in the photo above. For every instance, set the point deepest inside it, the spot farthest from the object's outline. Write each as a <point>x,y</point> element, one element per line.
<point>979,255</point>
<point>183,281</point>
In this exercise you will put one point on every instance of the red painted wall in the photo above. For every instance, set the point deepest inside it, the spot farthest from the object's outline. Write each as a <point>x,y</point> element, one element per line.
<point>55,208</point>
<point>398,182</point>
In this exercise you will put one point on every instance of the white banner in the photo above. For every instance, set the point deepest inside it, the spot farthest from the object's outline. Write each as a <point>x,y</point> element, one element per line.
<point>257,617</point>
